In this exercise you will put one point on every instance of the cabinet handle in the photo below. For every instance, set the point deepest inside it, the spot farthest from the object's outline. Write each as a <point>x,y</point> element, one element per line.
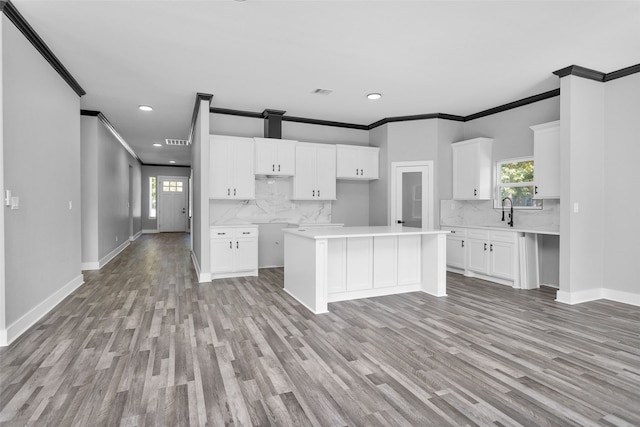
<point>228,191</point>
<point>361,172</point>
<point>491,247</point>
<point>356,171</point>
<point>234,191</point>
<point>485,246</point>
<point>246,232</point>
<point>535,189</point>
<point>475,192</point>
<point>278,168</point>
<point>463,243</point>
<point>313,193</point>
<point>318,193</point>
<point>221,234</point>
<point>230,245</point>
<point>237,245</point>
<point>453,231</point>
<point>273,168</point>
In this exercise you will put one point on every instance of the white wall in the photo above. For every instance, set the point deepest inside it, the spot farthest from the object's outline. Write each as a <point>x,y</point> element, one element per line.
<point>200,203</point>
<point>620,202</point>
<point>105,193</point>
<point>156,171</point>
<point>582,178</point>
<point>41,161</point>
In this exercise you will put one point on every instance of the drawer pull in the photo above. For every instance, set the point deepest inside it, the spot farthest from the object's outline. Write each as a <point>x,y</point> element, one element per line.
<point>221,234</point>
<point>463,243</point>
<point>230,245</point>
<point>246,232</point>
<point>453,231</point>
<point>485,246</point>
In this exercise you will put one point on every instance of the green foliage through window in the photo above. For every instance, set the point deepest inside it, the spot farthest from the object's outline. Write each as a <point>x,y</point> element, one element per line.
<point>516,180</point>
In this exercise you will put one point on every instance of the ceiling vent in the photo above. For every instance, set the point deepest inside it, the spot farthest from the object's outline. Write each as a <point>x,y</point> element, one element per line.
<point>176,142</point>
<point>322,91</point>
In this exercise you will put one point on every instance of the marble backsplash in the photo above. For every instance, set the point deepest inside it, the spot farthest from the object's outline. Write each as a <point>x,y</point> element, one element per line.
<point>482,213</point>
<point>272,204</point>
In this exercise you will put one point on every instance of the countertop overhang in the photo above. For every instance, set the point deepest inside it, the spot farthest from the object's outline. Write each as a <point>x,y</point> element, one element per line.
<point>344,232</point>
<point>525,229</point>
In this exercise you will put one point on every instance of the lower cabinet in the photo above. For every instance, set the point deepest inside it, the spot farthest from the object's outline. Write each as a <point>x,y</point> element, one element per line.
<point>234,251</point>
<point>488,254</point>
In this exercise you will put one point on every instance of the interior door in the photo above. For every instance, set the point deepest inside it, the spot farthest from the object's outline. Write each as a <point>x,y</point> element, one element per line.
<point>172,204</point>
<point>411,196</point>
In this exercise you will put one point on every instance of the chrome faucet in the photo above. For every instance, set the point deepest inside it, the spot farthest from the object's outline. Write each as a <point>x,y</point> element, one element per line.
<point>510,213</point>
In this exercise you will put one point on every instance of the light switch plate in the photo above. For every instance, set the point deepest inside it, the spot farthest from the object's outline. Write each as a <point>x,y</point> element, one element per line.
<point>7,197</point>
<point>15,203</point>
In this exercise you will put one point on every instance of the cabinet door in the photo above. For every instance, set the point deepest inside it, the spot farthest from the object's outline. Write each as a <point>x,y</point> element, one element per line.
<point>304,181</point>
<point>221,255</point>
<point>477,257</point>
<point>286,159</point>
<point>246,254</point>
<point>336,265</point>
<point>455,252</point>
<point>369,161</point>
<point>359,267</point>
<point>384,261</point>
<point>242,169</point>
<point>409,260</point>
<point>502,260</point>
<point>348,162</point>
<point>265,156</point>
<point>546,157</point>
<point>472,169</point>
<point>219,186</point>
<point>326,172</point>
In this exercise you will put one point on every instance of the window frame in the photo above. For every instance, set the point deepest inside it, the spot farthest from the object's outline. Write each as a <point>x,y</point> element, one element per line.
<point>497,200</point>
<point>153,197</point>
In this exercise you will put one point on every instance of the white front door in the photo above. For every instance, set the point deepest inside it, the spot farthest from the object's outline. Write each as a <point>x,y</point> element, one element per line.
<point>172,204</point>
<point>412,194</point>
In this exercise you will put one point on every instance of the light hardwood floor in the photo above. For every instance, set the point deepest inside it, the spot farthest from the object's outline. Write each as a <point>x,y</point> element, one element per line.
<point>142,343</point>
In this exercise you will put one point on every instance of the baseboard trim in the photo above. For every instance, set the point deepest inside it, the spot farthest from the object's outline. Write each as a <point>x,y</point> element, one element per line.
<point>21,325</point>
<point>111,255</point>
<point>94,265</point>
<point>596,294</point>
<point>202,277</point>
<point>135,236</point>
<point>150,231</point>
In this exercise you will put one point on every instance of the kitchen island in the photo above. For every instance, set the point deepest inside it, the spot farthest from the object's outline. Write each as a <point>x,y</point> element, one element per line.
<point>336,264</point>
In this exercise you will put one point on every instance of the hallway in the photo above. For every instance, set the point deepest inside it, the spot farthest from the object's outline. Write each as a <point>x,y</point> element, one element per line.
<point>142,343</point>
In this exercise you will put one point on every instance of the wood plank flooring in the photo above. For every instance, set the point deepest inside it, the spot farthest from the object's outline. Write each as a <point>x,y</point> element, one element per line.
<point>143,344</point>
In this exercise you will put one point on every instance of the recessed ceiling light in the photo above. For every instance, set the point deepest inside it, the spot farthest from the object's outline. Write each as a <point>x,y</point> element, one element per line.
<point>172,161</point>
<point>157,144</point>
<point>374,96</point>
<point>145,107</point>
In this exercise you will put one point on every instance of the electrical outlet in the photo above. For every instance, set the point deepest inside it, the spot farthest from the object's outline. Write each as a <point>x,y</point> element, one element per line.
<point>15,203</point>
<point>116,238</point>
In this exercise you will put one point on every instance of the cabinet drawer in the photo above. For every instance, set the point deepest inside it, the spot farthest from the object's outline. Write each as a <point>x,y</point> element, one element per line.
<point>473,233</point>
<point>503,236</point>
<point>221,233</point>
<point>246,232</point>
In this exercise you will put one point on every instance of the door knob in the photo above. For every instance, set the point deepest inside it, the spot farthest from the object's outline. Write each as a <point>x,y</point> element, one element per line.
<point>400,221</point>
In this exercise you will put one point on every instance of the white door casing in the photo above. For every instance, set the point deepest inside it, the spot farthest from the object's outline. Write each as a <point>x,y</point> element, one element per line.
<point>172,203</point>
<point>425,168</point>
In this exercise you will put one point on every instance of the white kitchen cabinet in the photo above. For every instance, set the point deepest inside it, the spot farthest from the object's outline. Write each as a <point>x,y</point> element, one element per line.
<point>275,157</point>
<point>385,253</point>
<point>409,256</point>
<point>315,177</point>
<point>359,265</point>
<point>472,169</point>
<point>357,162</point>
<point>234,251</point>
<point>456,248</point>
<point>546,160</point>
<point>492,253</point>
<point>231,173</point>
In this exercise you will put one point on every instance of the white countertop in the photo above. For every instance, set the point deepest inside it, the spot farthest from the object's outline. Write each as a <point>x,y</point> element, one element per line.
<point>524,229</point>
<point>342,232</point>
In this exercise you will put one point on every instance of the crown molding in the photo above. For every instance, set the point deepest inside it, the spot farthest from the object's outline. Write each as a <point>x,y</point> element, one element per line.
<point>114,132</point>
<point>91,113</point>
<point>324,123</point>
<point>576,70</point>
<point>30,34</point>
<point>514,104</point>
<point>415,117</point>
<point>622,73</point>
<point>196,108</point>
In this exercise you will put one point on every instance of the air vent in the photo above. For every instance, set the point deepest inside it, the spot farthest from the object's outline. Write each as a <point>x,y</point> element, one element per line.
<point>176,141</point>
<point>322,91</point>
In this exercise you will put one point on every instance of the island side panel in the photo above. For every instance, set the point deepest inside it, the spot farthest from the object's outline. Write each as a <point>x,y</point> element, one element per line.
<point>434,264</point>
<point>300,272</point>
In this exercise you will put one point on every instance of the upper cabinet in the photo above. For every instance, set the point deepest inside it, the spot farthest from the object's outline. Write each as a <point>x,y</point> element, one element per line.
<point>472,169</point>
<point>231,168</point>
<point>315,177</point>
<point>357,162</point>
<point>546,160</point>
<point>275,157</point>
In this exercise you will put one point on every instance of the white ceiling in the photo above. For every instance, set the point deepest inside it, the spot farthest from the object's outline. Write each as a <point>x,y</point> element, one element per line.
<point>455,57</point>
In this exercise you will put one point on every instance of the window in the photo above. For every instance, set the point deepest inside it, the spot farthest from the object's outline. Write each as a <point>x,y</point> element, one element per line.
<point>515,180</point>
<point>152,197</point>
<point>172,186</point>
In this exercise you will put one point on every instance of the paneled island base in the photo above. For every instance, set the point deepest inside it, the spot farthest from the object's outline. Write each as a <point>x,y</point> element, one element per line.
<point>338,264</point>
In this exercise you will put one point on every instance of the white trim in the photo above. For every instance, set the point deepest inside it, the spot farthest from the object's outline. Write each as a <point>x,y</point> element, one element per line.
<point>246,273</point>
<point>93,265</point>
<point>3,334</point>
<point>427,202</point>
<point>202,277</point>
<point>135,236</point>
<point>150,231</point>
<point>596,294</point>
<point>17,328</point>
<point>111,255</point>
<point>303,304</point>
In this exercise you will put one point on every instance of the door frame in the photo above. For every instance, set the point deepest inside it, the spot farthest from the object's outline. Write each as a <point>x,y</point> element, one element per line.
<point>426,167</point>
<point>159,199</point>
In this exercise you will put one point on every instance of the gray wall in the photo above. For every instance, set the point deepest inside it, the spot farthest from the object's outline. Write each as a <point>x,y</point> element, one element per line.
<point>620,201</point>
<point>200,192</point>
<point>42,166</point>
<point>105,192</point>
<point>156,171</point>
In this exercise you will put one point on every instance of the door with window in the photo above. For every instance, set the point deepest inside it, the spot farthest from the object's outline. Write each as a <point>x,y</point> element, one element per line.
<point>172,204</point>
<point>411,194</point>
